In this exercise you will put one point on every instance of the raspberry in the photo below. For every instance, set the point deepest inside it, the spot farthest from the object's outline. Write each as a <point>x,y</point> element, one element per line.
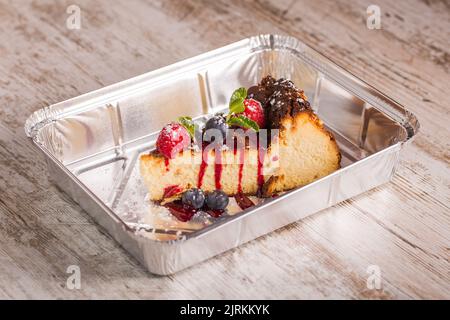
<point>254,111</point>
<point>172,139</point>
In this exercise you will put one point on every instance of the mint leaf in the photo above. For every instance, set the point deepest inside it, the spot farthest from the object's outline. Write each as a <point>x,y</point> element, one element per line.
<point>238,94</point>
<point>188,124</point>
<point>243,122</point>
<point>237,100</point>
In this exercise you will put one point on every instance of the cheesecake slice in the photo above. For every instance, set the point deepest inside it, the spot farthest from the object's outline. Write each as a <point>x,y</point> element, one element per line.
<point>295,150</point>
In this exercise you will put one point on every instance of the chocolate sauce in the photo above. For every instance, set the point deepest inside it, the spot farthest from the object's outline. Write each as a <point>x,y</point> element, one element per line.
<point>279,98</point>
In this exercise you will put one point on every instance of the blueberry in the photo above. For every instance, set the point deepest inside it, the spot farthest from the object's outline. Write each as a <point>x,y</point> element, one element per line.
<point>194,198</point>
<point>218,123</point>
<point>217,200</point>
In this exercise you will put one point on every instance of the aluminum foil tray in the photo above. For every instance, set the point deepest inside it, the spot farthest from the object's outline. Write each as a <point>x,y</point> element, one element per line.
<point>92,145</point>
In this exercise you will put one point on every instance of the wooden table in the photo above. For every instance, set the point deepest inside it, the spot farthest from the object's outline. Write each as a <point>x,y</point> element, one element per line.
<point>402,228</point>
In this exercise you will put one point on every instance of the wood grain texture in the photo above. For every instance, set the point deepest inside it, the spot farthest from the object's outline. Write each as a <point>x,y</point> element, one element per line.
<point>403,227</point>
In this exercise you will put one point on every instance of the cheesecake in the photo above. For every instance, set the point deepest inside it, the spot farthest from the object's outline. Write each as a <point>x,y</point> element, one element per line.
<point>278,144</point>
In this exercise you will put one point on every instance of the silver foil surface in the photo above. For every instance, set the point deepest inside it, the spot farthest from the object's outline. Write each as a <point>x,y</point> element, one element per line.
<point>92,145</point>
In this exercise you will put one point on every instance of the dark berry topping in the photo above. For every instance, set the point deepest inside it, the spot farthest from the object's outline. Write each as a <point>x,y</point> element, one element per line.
<point>215,127</point>
<point>194,198</point>
<point>217,200</point>
<point>279,98</point>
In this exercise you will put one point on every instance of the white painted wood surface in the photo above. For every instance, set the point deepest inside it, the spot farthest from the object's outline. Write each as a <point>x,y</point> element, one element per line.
<point>403,227</point>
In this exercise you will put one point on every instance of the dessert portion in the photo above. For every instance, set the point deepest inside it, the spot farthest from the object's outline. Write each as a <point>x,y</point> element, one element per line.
<point>269,142</point>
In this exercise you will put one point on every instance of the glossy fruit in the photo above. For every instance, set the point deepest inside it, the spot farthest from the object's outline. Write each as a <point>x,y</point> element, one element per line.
<point>172,139</point>
<point>216,122</point>
<point>254,111</point>
<point>194,198</point>
<point>243,201</point>
<point>217,200</point>
<point>180,211</point>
